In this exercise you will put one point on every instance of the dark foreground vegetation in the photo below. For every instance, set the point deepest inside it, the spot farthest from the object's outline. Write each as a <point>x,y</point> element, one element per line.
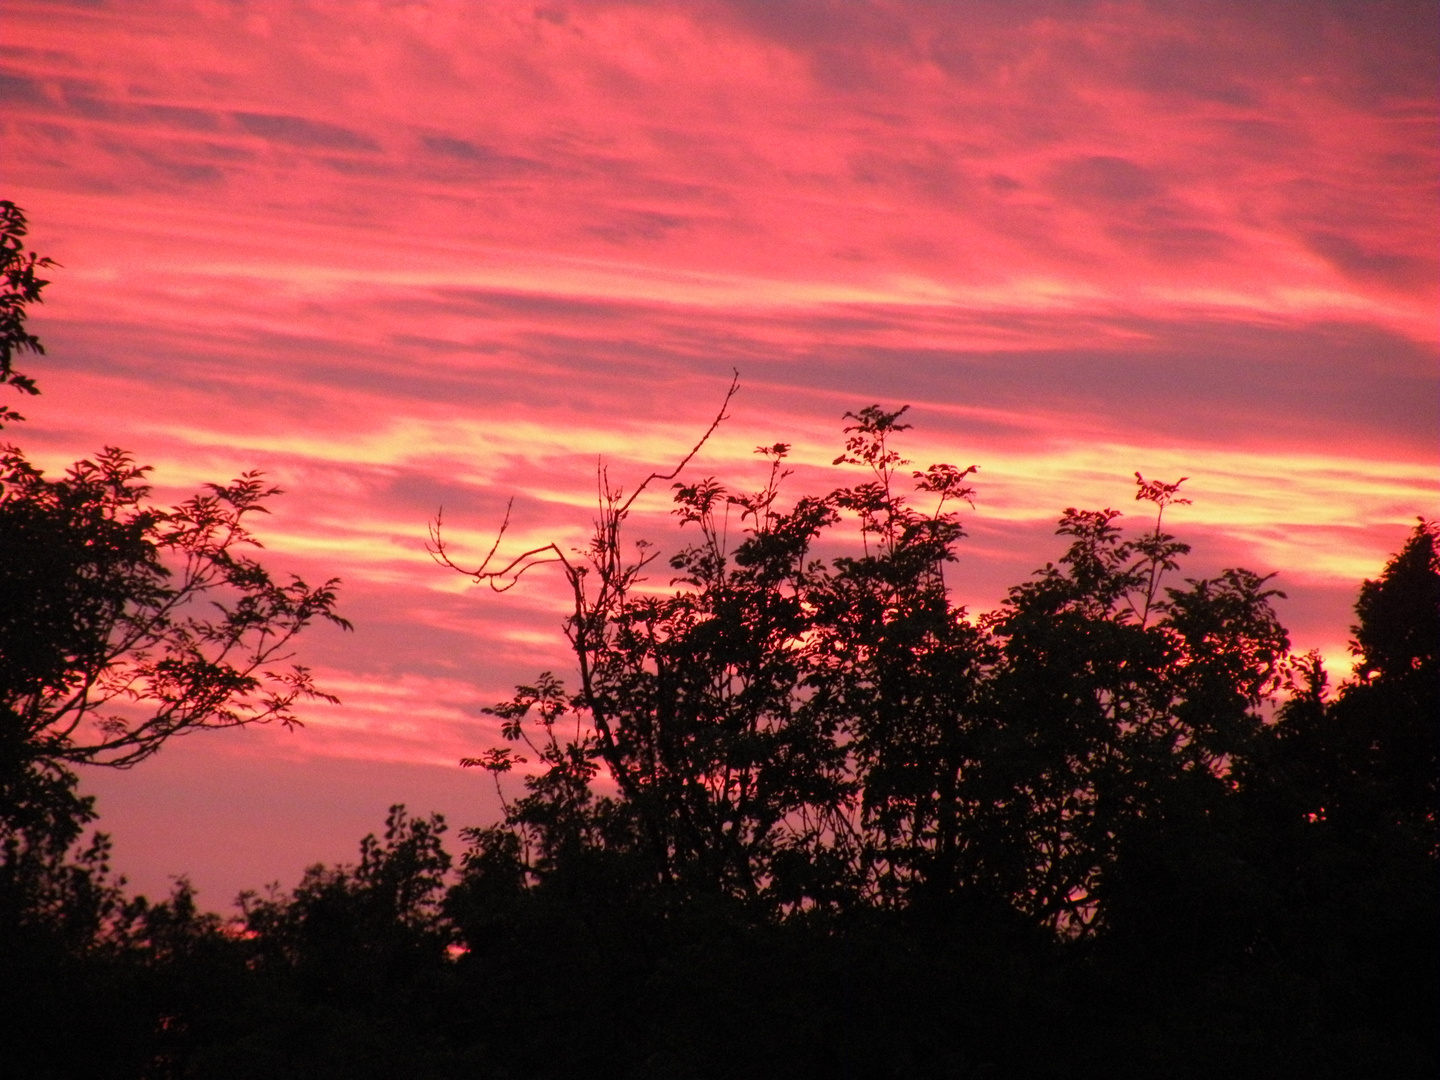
<point>794,814</point>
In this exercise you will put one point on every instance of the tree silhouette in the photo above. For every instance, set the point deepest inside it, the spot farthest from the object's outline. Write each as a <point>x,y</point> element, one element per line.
<point>1367,760</point>
<point>804,733</point>
<point>20,286</point>
<point>123,624</point>
<point>1085,801</point>
<point>798,813</point>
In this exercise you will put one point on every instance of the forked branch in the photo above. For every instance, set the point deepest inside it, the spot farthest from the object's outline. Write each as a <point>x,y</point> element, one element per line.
<point>612,512</point>
<point>720,417</point>
<point>505,577</point>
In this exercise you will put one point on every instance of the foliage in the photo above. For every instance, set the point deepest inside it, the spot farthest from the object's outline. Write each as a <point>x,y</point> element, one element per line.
<point>1094,812</point>
<point>1366,762</point>
<point>802,814</point>
<point>20,286</point>
<point>1181,854</point>
<point>807,734</point>
<point>124,624</point>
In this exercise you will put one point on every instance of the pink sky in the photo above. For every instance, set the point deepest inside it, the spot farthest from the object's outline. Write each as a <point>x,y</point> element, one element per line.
<point>399,255</point>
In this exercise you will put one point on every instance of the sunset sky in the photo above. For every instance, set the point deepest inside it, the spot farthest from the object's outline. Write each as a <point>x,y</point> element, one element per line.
<point>399,255</point>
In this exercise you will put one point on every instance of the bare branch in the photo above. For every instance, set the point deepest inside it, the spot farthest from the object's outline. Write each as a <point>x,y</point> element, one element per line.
<point>719,418</point>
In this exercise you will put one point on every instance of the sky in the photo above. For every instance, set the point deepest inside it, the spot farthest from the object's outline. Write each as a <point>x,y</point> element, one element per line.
<point>409,255</point>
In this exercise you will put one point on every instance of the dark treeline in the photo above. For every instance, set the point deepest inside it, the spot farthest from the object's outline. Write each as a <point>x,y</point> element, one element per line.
<point>793,814</point>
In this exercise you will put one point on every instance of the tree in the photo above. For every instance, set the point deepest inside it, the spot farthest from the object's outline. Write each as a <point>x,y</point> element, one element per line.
<point>1395,700</point>
<point>353,929</point>
<point>800,733</point>
<point>123,624</point>
<point>727,710</point>
<point>1117,704</point>
<point>690,701</point>
<point>20,287</point>
<point>1080,813</point>
<point>1367,759</point>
